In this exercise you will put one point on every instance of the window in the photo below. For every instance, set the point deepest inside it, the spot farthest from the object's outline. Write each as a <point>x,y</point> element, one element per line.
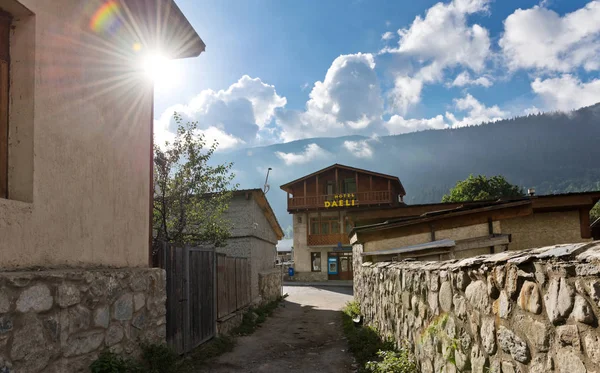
<point>350,185</point>
<point>315,262</point>
<point>314,226</point>
<point>5,21</point>
<point>329,190</point>
<point>327,225</point>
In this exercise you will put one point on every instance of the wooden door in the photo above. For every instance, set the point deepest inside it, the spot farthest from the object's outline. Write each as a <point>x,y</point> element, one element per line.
<point>345,265</point>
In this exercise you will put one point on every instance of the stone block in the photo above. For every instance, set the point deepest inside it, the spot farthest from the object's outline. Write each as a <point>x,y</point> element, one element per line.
<point>592,347</point>
<point>68,295</point>
<point>502,306</point>
<point>477,296</point>
<point>509,342</point>
<point>29,347</point>
<point>4,301</point>
<point>460,306</point>
<point>114,335</point>
<point>36,298</point>
<point>537,333</point>
<point>582,311</point>
<point>568,335</point>
<point>139,301</point>
<point>102,317</point>
<point>6,324</point>
<point>445,296</point>
<point>530,298</point>
<point>123,307</point>
<point>462,280</point>
<point>488,335</point>
<point>569,361</point>
<point>83,343</point>
<point>559,300</point>
<point>479,362</point>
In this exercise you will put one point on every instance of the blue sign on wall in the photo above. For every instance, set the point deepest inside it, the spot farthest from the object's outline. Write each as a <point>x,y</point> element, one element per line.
<point>332,266</point>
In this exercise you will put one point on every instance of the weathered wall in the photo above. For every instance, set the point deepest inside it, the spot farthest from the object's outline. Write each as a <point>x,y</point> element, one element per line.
<point>270,285</point>
<point>59,321</point>
<point>525,311</point>
<point>262,259</point>
<point>82,115</point>
<point>543,229</point>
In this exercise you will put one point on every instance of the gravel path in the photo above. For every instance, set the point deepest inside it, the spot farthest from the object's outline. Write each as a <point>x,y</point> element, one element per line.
<point>303,335</point>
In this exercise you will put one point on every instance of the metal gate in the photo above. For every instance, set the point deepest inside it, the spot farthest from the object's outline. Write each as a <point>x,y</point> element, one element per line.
<point>191,293</point>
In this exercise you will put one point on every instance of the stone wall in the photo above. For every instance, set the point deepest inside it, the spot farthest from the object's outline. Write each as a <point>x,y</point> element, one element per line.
<point>269,283</point>
<point>59,321</point>
<point>517,311</point>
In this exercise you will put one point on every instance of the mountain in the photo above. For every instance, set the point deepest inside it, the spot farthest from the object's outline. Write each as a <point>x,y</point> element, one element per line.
<point>553,152</point>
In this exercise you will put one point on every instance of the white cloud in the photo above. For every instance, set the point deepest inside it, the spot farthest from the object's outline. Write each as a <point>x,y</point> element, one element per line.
<point>311,152</point>
<point>440,40</point>
<point>232,116</point>
<point>532,110</point>
<point>567,92</point>
<point>539,38</point>
<point>348,100</point>
<point>398,125</point>
<point>477,113</point>
<point>464,79</point>
<point>359,149</point>
<point>387,36</point>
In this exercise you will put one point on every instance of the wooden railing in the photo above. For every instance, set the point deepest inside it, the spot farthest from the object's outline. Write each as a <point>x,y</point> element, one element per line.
<point>328,239</point>
<point>361,199</point>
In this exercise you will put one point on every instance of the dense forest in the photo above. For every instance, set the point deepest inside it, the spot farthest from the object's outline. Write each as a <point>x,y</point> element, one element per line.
<point>553,152</point>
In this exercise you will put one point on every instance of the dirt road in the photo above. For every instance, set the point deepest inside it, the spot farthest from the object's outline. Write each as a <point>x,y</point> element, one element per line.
<point>304,335</point>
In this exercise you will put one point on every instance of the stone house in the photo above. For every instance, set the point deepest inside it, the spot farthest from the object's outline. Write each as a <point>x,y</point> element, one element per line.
<point>254,234</point>
<point>75,177</point>
<point>449,231</point>
<point>320,204</point>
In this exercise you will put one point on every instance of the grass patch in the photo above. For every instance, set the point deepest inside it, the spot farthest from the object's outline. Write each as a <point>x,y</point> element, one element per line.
<point>373,353</point>
<point>256,316</point>
<point>205,352</point>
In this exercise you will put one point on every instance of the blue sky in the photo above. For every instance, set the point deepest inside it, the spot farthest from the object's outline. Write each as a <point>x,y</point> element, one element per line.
<point>276,71</point>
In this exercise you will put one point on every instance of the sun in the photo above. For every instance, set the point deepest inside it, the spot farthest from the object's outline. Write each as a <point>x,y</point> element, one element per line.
<point>161,70</point>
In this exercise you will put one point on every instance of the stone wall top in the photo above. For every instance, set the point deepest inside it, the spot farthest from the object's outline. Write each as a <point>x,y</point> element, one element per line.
<point>577,253</point>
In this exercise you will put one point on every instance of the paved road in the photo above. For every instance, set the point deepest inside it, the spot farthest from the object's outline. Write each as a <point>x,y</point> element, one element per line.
<point>303,335</point>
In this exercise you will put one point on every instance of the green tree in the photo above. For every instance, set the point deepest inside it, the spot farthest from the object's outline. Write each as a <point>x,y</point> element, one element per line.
<point>595,213</point>
<point>481,188</point>
<point>190,196</point>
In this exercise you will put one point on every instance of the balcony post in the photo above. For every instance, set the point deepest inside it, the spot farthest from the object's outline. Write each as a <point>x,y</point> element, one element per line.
<point>317,190</point>
<point>356,180</point>
<point>370,186</point>
<point>337,185</point>
<point>305,204</point>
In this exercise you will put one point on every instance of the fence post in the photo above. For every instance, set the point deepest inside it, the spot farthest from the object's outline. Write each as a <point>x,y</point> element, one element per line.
<point>187,336</point>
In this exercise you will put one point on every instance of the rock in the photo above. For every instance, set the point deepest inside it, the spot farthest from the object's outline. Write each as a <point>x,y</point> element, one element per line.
<point>139,321</point>
<point>509,342</point>
<point>488,335</point>
<point>139,301</point>
<point>537,332</point>
<point>460,306</point>
<point>540,273</point>
<point>138,282</point>
<point>30,346</point>
<point>479,361</point>
<point>493,291</point>
<point>502,306</point>
<point>83,343</point>
<point>593,290</point>
<point>414,304</point>
<point>79,319</point>
<point>406,300</point>
<point>582,311</point>
<point>568,335</point>
<point>538,364</point>
<point>529,298</point>
<point>68,295</point>
<point>102,317</point>
<point>445,296</point>
<point>114,335</point>
<point>6,324</point>
<point>592,347</point>
<point>123,307</point>
<point>434,281</point>
<point>477,296</point>
<point>432,300</point>
<point>4,301</point>
<point>508,367</point>
<point>52,326</point>
<point>499,276</point>
<point>462,360</point>
<point>450,327</point>
<point>36,298</point>
<point>462,280</point>
<point>568,361</point>
<point>512,281</point>
<point>558,300</point>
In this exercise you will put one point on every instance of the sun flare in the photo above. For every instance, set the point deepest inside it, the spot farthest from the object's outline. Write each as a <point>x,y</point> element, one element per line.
<point>160,70</point>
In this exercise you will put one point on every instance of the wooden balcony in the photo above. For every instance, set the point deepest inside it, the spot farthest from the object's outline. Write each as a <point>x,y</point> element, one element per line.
<point>327,239</point>
<point>360,199</point>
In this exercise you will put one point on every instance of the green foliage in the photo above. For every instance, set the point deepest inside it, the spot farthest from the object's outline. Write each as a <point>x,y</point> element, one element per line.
<point>436,331</point>
<point>352,309</point>
<point>109,362</point>
<point>190,196</point>
<point>595,213</point>
<point>209,350</point>
<point>158,358</point>
<point>400,361</point>
<point>256,316</point>
<point>480,188</point>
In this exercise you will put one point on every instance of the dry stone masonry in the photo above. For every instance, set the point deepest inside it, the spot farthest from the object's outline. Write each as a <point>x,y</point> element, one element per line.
<point>59,321</point>
<point>530,311</point>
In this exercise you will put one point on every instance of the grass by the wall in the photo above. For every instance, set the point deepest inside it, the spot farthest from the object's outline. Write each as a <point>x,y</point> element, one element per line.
<point>372,352</point>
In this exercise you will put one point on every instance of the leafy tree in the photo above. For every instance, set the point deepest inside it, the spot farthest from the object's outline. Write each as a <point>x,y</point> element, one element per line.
<point>190,196</point>
<point>595,213</point>
<point>481,188</point>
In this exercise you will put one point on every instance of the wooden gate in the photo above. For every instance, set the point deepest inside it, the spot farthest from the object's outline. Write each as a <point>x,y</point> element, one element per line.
<point>191,293</point>
<point>233,284</point>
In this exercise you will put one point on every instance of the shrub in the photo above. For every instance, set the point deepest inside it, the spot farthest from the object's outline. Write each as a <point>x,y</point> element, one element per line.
<point>393,362</point>
<point>109,362</point>
<point>352,309</point>
<point>158,358</point>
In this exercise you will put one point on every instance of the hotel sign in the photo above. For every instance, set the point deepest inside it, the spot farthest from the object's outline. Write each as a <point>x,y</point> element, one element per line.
<point>342,200</point>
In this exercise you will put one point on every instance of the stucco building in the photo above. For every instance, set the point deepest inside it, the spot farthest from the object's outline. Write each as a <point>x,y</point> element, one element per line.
<point>320,203</point>
<point>75,177</point>
<point>460,230</point>
<point>254,234</point>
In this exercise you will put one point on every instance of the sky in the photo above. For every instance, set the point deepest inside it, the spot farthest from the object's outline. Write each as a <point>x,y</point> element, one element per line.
<point>276,71</point>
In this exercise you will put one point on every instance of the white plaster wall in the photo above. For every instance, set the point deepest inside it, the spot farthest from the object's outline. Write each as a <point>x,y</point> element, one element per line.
<point>91,121</point>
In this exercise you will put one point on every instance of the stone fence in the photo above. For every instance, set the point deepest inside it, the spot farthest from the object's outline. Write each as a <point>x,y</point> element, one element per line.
<point>59,321</point>
<point>528,311</point>
<point>269,285</point>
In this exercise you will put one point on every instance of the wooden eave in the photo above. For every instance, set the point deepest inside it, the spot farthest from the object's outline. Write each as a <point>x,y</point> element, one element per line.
<point>286,187</point>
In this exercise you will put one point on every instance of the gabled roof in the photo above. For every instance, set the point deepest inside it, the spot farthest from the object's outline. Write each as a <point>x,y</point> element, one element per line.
<point>394,179</point>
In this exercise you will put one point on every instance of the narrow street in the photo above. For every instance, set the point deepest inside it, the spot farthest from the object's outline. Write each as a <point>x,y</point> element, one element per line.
<point>303,335</point>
